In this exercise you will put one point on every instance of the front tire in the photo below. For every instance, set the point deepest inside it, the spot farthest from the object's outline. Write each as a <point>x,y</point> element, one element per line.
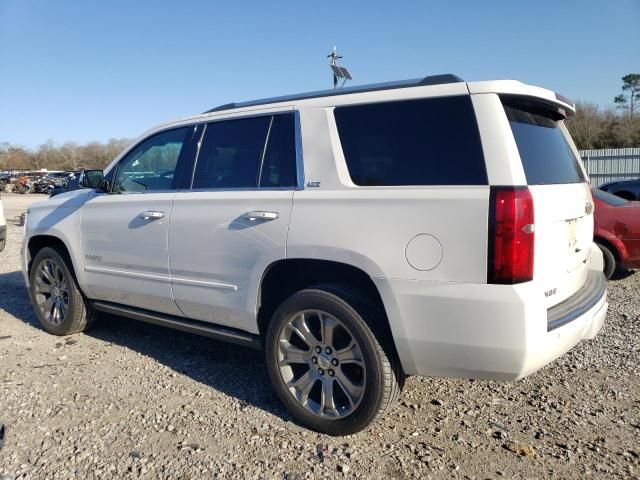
<point>330,360</point>
<point>59,305</point>
<point>610,264</point>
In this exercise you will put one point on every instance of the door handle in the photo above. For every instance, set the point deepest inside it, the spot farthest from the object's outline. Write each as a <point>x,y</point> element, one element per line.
<point>152,215</point>
<point>260,215</point>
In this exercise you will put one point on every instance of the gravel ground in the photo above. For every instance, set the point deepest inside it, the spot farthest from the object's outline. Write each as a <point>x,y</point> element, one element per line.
<point>129,400</point>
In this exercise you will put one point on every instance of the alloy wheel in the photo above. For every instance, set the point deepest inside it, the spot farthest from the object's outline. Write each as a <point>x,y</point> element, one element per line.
<point>51,292</point>
<point>321,364</point>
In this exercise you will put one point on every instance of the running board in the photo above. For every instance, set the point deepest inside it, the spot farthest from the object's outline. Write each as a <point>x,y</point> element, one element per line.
<point>197,327</point>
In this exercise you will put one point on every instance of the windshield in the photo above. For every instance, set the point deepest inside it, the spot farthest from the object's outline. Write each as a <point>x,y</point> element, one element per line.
<point>546,155</point>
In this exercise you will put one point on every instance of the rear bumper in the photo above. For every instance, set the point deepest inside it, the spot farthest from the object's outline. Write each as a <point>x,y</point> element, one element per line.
<point>579,303</point>
<point>488,331</point>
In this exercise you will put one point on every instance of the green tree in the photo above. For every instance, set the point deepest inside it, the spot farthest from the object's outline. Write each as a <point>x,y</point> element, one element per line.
<point>629,101</point>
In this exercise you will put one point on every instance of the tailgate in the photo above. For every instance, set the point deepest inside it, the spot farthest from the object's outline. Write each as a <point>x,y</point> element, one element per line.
<point>564,233</point>
<point>563,206</point>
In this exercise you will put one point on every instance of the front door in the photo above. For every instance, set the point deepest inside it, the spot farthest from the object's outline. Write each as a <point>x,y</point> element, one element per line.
<point>125,232</point>
<point>233,223</point>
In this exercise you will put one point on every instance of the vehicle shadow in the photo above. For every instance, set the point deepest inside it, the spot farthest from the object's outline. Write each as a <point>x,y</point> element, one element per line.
<point>235,371</point>
<point>14,298</point>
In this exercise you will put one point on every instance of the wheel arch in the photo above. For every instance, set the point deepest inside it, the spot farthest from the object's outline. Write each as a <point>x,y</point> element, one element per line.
<point>38,242</point>
<point>612,244</point>
<point>284,277</point>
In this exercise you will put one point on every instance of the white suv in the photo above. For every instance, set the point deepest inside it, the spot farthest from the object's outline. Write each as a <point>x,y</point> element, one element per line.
<point>427,227</point>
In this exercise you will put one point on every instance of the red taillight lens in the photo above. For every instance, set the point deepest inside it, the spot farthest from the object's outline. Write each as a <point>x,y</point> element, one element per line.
<point>511,235</point>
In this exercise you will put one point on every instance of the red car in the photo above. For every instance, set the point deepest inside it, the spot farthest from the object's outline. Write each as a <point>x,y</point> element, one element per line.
<point>617,231</point>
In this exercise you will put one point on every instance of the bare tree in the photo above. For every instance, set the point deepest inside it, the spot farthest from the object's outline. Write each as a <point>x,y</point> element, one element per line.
<point>71,156</point>
<point>586,125</point>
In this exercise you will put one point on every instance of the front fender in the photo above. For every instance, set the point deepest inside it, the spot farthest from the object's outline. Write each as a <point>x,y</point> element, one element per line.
<point>57,217</point>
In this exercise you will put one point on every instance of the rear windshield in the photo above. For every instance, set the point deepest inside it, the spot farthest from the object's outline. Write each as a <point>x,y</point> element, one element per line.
<point>546,155</point>
<point>609,198</point>
<point>412,142</point>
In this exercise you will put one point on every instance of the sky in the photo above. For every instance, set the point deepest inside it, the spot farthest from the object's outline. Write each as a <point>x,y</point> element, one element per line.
<point>84,70</point>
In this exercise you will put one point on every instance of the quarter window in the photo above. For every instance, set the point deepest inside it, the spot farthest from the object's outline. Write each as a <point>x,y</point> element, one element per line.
<point>413,142</point>
<point>279,165</point>
<point>152,164</point>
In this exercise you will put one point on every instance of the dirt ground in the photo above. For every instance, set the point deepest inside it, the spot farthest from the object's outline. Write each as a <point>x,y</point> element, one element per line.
<point>129,400</point>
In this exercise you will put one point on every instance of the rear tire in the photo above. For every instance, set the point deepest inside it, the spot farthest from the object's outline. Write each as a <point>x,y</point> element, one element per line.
<point>56,298</point>
<point>610,264</point>
<point>330,360</point>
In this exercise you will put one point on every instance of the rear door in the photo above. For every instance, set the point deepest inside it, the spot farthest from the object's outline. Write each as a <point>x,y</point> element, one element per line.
<point>563,204</point>
<point>233,223</point>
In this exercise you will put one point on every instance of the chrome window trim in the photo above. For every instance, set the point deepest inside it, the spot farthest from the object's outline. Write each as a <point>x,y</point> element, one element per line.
<point>264,150</point>
<point>195,160</point>
<point>298,152</point>
<point>239,189</point>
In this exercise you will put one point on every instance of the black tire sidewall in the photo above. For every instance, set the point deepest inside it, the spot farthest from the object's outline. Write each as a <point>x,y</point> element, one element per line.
<point>609,261</point>
<point>333,305</point>
<point>75,298</point>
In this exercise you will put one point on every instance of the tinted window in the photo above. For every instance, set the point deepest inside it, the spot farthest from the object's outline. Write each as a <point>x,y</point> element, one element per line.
<point>151,165</point>
<point>233,153</point>
<point>609,198</point>
<point>279,166</point>
<point>416,142</point>
<point>546,155</point>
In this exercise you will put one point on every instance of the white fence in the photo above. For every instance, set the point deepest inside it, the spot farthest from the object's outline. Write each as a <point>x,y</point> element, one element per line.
<point>609,164</point>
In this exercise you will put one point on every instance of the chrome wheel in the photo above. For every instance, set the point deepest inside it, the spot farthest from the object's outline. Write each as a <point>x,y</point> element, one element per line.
<point>321,364</point>
<point>51,292</point>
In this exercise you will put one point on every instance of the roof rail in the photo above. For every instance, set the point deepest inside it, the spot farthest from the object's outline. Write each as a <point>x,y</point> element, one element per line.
<point>416,82</point>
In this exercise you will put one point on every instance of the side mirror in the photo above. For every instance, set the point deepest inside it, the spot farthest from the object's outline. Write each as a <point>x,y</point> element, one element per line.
<point>92,179</point>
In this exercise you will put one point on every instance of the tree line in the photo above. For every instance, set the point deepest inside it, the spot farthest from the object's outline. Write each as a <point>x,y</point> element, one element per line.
<point>66,156</point>
<point>591,128</point>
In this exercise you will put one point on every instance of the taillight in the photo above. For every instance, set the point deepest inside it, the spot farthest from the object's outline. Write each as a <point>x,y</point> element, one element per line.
<point>511,235</point>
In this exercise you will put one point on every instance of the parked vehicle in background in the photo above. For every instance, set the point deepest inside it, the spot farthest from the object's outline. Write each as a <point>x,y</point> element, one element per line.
<point>24,184</point>
<point>427,227</point>
<point>617,231</point>
<point>627,189</point>
<point>71,182</point>
<point>3,227</point>
<point>52,181</point>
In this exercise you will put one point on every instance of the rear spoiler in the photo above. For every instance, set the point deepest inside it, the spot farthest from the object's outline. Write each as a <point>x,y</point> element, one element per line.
<point>515,88</point>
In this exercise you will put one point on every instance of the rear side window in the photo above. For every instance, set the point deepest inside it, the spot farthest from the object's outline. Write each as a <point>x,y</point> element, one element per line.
<point>414,142</point>
<point>247,153</point>
<point>546,155</point>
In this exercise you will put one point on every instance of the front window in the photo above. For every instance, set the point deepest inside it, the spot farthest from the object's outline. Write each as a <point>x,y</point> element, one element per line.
<point>152,164</point>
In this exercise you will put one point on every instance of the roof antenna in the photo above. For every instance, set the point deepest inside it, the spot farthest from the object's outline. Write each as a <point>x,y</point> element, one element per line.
<point>338,72</point>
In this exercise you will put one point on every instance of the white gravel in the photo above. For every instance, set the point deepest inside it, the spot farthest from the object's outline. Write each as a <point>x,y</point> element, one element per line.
<point>129,400</point>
